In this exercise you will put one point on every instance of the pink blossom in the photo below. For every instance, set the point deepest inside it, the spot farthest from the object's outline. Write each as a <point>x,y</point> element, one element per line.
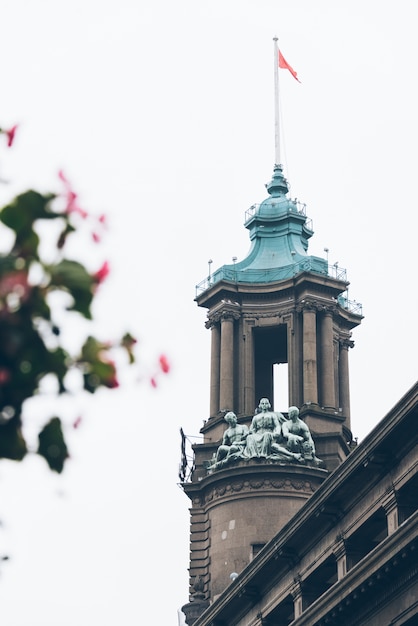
<point>71,197</point>
<point>63,177</point>
<point>102,273</point>
<point>77,422</point>
<point>164,364</point>
<point>10,134</point>
<point>96,237</point>
<point>73,206</point>
<point>112,382</point>
<point>153,382</point>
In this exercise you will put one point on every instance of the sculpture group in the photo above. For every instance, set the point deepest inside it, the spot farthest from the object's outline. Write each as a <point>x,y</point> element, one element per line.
<point>271,436</point>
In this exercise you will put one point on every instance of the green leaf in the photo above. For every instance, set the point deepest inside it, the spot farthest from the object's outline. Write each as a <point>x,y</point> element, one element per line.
<point>91,349</point>
<point>12,443</point>
<point>128,342</point>
<point>73,278</point>
<point>100,370</point>
<point>58,364</point>
<point>37,305</point>
<point>7,265</point>
<point>25,209</point>
<point>21,214</point>
<point>52,445</point>
<point>27,243</point>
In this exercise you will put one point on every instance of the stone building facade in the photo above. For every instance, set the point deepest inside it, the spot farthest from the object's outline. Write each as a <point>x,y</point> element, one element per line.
<point>349,556</point>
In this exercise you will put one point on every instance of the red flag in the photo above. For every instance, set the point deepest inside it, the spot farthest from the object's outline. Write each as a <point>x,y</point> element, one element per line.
<point>285,65</point>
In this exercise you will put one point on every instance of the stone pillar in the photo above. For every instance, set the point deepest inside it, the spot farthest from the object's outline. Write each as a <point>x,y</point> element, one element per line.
<point>215,369</point>
<point>226,390</point>
<point>340,554</point>
<point>249,399</point>
<point>296,592</point>
<point>310,376</point>
<point>343,379</point>
<point>292,368</point>
<point>327,361</point>
<point>390,504</point>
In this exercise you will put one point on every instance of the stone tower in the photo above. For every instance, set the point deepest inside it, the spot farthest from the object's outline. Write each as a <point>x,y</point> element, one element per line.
<point>278,306</point>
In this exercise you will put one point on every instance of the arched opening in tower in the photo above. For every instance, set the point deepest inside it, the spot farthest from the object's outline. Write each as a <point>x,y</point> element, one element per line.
<point>271,365</point>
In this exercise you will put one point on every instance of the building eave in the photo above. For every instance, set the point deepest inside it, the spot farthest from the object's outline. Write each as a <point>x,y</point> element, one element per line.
<point>347,484</point>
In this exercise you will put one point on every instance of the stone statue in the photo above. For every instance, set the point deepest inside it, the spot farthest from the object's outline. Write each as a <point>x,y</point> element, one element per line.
<point>233,442</point>
<point>298,438</point>
<point>265,438</point>
<point>265,430</point>
<point>271,436</point>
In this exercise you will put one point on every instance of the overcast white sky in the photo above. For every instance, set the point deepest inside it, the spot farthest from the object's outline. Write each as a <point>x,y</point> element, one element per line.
<point>161,115</point>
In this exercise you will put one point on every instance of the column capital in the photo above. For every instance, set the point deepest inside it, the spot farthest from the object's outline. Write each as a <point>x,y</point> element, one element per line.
<point>229,315</point>
<point>220,316</point>
<point>327,309</point>
<point>345,343</point>
<point>308,305</point>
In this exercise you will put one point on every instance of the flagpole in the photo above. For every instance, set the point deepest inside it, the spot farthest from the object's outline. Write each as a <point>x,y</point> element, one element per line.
<point>276,104</point>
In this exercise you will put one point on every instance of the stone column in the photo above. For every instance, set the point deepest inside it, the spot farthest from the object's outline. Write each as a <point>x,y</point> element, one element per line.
<point>327,362</point>
<point>215,368</point>
<point>310,375</point>
<point>343,379</point>
<point>292,362</point>
<point>340,554</point>
<point>248,371</point>
<point>296,592</point>
<point>226,390</point>
<point>390,504</point>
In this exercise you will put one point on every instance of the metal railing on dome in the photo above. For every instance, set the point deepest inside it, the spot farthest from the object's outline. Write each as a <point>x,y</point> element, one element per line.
<point>295,205</point>
<point>310,264</point>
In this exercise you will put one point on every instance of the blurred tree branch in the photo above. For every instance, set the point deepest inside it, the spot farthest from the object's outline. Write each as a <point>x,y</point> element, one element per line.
<point>30,333</point>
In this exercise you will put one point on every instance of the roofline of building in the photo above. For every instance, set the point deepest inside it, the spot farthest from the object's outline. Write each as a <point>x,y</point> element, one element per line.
<point>362,468</point>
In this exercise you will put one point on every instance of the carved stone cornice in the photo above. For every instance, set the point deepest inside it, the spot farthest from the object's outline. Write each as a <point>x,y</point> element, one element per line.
<point>249,485</point>
<point>328,308</point>
<point>280,313</point>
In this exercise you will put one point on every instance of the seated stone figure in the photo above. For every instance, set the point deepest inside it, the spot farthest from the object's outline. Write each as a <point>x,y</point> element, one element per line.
<point>298,438</point>
<point>265,430</point>
<point>233,442</point>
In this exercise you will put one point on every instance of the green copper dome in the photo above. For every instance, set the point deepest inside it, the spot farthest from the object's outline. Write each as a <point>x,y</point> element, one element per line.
<point>279,233</point>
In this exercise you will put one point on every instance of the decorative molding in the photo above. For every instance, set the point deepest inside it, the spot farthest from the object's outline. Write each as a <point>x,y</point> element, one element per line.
<point>254,484</point>
<point>219,316</point>
<point>276,313</point>
<point>345,343</point>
